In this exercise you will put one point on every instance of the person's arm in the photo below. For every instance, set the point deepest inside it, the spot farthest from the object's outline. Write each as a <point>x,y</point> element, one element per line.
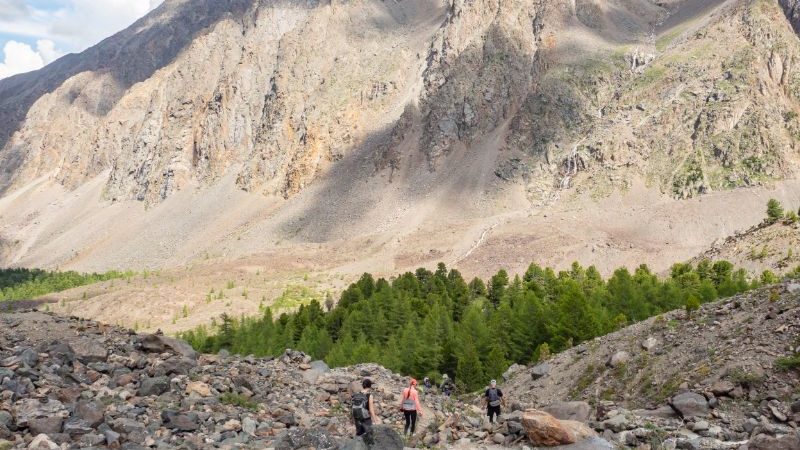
<point>485,399</point>
<point>375,419</point>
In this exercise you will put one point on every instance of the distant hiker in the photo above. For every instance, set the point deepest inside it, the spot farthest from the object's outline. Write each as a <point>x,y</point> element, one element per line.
<point>409,404</point>
<point>364,408</point>
<point>447,386</point>
<point>493,400</point>
<point>427,386</point>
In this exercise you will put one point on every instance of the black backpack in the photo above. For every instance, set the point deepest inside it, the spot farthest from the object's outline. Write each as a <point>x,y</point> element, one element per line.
<point>494,397</point>
<point>361,406</point>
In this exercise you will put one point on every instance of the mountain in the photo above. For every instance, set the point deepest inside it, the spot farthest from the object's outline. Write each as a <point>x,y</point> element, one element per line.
<point>346,136</point>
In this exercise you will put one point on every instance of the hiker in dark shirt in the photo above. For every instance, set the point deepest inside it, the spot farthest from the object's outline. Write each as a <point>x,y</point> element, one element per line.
<point>364,408</point>
<point>493,399</point>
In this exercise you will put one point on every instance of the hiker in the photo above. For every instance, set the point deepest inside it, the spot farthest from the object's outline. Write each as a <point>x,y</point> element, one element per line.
<point>427,386</point>
<point>364,408</point>
<point>409,404</point>
<point>447,385</point>
<point>493,400</point>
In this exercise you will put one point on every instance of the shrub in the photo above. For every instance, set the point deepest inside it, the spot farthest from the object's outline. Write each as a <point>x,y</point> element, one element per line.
<point>692,305</point>
<point>788,363</point>
<point>239,400</point>
<point>774,210</point>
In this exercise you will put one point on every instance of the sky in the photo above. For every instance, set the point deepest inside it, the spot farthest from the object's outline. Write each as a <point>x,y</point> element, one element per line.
<point>34,33</point>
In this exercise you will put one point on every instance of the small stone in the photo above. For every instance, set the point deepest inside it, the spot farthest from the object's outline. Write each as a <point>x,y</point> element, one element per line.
<point>618,359</point>
<point>42,442</point>
<point>153,386</point>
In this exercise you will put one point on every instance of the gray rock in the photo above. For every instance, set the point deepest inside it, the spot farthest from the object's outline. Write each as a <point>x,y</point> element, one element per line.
<point>88,350</point>
<point>42,442</point>
<point>618,359</point>
<point>45,425</point>
<point>540,370</point>
<point>92,411</point>
<point>76,427</point>
<point>722,387</point>
<point>29,357</point>
<point>650,343</point>
<point>579,411</point>
<point>593,443</point>
<point>5,418</point>
<point>616,424</point>
<point>512,371</point>
<point>32,408</point>
<point>765,442</point>
<point>690,404</point>
<point>182,422</point>
<point>383,438</point>
<point>153,386</point>
<point>318,368</point>
<point>153,343</point>
<point>665,412</point>
<point>299,438</point>
<point>126,426</point>
<point>249,426</point>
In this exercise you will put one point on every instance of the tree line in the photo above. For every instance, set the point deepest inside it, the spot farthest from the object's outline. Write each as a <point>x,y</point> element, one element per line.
<point>24,284</point>
<point>432,323</point>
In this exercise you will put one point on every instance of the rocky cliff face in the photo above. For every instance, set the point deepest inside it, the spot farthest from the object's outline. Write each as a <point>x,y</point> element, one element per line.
<point>271,93</point>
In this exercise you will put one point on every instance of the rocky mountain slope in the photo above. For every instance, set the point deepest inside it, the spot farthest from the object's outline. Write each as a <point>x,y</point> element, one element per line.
<point>72,383</point>
<point>388,125</point>
<point>763,247</point>
<point>715,379</point>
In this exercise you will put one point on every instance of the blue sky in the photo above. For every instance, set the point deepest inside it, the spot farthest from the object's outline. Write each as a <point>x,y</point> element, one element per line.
<point>36,32</point>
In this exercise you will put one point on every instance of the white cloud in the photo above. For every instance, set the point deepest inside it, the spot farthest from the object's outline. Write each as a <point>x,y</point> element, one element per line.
<point>19,57</point>
<point>105,16</point>
<point>69,25</point>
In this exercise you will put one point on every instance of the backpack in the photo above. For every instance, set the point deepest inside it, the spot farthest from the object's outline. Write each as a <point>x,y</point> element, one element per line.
<point>494,397</point>
<point>361,406</point>
<point>408,403</point>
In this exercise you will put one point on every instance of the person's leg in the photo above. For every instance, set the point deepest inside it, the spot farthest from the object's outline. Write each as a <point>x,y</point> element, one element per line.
<point>359,427</point>
<point>489,413</point>
<point>413,422</point>
<point>407,415</point>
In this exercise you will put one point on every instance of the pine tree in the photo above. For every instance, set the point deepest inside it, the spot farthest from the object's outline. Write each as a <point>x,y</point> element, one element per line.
<point>774,210</point>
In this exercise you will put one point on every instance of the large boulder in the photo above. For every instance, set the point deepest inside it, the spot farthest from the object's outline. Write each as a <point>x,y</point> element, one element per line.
<point>88,350</point>
<point>579,411</point>
<point>545,430</point>
<point>303,438</point>
<point>378,437</point>
<point>316,370</point>
<point>30,409</point>
<point>154,343</point>
<point>690,404</point>
<point>765,442</point>
<point>540,370</point>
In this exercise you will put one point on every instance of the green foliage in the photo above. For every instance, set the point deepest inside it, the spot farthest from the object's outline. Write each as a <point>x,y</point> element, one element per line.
<point>24,284</point>
<point>431,323</point>
<point>774,210</point>
<point>788,363</point>
<point>232,399</point>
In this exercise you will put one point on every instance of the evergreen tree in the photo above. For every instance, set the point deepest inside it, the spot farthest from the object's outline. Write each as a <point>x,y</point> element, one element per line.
<point>774,210</point>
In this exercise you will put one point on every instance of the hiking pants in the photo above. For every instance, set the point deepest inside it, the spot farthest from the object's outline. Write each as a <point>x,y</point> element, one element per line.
<point>363,426</point>
<point>411,421</point>
<point>493,411</point>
